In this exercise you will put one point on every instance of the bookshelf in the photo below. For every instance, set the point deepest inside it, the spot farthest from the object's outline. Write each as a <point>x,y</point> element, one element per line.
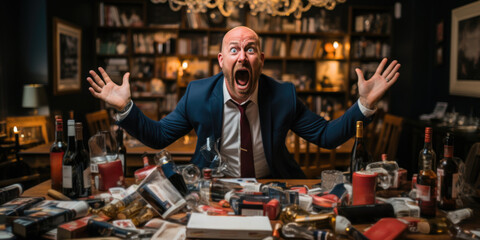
<point>165,50</point>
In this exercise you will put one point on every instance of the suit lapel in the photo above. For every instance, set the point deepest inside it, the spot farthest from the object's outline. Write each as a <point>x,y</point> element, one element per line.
<point>264,108</point>
<point>216,103</point>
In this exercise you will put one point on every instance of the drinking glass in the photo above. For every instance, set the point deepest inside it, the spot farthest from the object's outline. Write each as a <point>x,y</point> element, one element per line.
<point>330,178</point>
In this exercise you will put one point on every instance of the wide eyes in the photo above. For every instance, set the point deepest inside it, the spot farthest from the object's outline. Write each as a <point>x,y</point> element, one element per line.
<point>235,50</point>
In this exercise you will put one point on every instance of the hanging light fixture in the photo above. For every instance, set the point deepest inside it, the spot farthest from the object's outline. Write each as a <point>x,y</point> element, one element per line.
<point>272,7</point>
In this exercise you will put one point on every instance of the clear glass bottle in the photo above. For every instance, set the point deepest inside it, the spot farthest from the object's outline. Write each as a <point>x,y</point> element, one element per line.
<point>164,160</point>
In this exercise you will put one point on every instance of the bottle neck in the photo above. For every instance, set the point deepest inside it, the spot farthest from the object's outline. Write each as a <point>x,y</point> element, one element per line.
<point>428,138</point>
<point>448,151</point>
<point>71,137</point>
<point>59,132</point>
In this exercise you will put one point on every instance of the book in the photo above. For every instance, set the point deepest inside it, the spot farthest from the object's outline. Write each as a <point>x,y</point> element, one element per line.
<point>228,227</point>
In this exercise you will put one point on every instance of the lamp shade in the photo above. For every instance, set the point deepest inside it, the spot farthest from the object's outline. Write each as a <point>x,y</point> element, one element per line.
<point>33,96</point>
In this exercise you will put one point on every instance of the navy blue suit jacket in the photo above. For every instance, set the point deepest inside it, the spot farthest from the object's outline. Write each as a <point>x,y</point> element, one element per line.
<point>201,108</point>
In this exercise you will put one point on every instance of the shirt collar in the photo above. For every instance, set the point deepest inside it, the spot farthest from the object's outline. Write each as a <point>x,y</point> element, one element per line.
<point>227,96</point>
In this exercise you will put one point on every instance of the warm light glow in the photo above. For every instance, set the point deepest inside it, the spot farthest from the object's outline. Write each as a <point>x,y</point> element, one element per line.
<point>273,7</point>
<point>185,64</point>
<point>335,44</point>
<point>15,130</point>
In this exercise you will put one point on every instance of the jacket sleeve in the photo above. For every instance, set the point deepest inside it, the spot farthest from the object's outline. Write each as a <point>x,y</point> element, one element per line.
<point>326,134</point>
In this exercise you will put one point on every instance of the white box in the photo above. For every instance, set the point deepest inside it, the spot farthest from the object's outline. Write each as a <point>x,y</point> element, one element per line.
<point>228,227</point>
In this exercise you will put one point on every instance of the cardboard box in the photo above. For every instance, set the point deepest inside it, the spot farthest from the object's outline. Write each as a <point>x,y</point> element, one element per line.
<point>228,227</point>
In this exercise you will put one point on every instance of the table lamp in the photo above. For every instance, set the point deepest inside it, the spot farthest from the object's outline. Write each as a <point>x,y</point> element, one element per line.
<point>34,97</point>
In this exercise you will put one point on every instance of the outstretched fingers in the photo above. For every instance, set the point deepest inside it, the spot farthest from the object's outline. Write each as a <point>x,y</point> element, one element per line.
<point>99,82</point>
<point>94,85</point>
<point>392,73</point>
<point>381,66</point>
<point>105,76</point>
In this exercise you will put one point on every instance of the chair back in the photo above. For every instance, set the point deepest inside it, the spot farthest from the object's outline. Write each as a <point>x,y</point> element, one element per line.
<point>472,166</point>
<point>34,127</point>
<point>311,158</point>
<point>389,137</point>
<point>98,121</point>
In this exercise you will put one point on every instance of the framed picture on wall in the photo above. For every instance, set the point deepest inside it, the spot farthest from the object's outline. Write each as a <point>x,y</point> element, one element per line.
<point>464,51</point>
<point>67,42</point>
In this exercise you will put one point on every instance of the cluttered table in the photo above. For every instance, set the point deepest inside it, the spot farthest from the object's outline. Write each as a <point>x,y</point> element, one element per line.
<point>471,223</point>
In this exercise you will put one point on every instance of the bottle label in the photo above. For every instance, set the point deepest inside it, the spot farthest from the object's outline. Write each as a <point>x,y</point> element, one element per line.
<point>423,192</point>
<point>454,185</point>
<point>448,151</point>
<point>87,178</point>
<point>56,159</point>
<point>93,168</point>
<point>67,176</point>
<point>440,176</point>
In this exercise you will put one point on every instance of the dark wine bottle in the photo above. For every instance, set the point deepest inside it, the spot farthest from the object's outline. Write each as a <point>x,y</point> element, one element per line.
<point>427,179</point>
<point>447,174</point>
<point>122,150</point>
<point>83,159</point>
<point>70,169</point>
<point>360,156</point>
<point>57,150</point>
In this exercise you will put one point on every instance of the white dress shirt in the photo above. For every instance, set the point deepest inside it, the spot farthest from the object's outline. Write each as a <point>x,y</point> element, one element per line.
<point>230,141</point>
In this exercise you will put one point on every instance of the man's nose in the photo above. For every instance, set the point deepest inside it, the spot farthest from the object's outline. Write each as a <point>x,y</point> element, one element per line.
<point>242,57</point>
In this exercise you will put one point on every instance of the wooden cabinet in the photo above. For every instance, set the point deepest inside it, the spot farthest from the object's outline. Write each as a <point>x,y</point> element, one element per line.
<point>165,50</point>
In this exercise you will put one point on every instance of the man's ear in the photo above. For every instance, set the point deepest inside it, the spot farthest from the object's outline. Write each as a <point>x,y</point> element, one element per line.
<point>220,60</point>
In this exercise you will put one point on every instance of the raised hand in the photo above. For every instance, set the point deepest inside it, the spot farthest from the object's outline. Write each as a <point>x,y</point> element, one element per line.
<point>372,90</point>
<point>116,95</point>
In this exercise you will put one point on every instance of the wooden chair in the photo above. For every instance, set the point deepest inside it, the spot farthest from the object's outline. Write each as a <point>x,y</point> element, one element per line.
<point>98,121</point>
<point>389,136</point>
<point>25,122</point>
<point>311,158</point>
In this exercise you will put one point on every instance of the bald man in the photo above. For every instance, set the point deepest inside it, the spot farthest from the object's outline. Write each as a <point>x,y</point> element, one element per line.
<point>223,106</point>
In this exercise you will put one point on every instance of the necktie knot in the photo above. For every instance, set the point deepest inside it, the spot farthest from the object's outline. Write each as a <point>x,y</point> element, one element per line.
<point>242,107</point>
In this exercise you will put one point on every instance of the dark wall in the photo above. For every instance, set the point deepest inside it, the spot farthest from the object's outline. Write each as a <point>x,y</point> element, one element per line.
<point>24,54</point>
<point>79,13</point>
<point>423,82</point>
<point>27,51</point>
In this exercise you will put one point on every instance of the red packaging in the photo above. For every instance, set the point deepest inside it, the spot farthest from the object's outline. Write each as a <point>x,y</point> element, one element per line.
<point>326,201</point>
<point>364,186</point>
<point>272,209</point>
<point>77,228</point>
<point>386,229</point>
<point>302,190</point>
<point>414,181</point>
<point>142,173</point>
<point>111,175</point>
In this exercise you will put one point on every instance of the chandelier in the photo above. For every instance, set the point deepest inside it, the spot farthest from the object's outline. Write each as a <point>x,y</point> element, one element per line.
<point>272,7</point>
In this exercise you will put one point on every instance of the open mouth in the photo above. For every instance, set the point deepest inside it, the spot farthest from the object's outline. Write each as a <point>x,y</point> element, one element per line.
<point>242,77</point>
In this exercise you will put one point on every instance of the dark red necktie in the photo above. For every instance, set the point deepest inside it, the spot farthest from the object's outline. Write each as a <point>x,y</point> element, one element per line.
<point>247,167</point>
